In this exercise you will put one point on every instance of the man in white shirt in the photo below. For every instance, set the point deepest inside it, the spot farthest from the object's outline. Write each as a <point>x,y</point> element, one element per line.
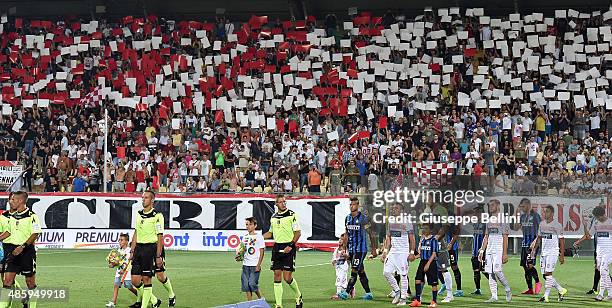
<point>601,230</point>
<point>399,249</point>
<point>495,243</point>
<point>532,150</point>
<point>459,128</point>
<point>553,246</point>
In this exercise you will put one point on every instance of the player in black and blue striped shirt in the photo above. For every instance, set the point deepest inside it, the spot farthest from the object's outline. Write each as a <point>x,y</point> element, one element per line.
<point>530,226</point>
<point>358,230</point>
<point>477,239</point>
<point>452,238</point>
<point>428,249</point>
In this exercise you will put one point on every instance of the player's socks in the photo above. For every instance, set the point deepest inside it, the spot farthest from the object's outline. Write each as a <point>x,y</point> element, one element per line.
<point>147,292</point>
<point>363,278</point>
<point>5,303</point>
<point>392,282</point>
<point>419,289</point>
<point>168,286</point>
<point>32,303</point>
<point>503,280</point>
<point>457,274</point>
<point>351,283</point>
<point>547,286</point>
<point>434,296</point>
<point>278,293</point>
<point>139,291</point>
<point>534,274</point>
<point>448,281</point>
<point>404,286</point>
<point>528,278</point>
<point>493,286</point>
<point>556,284</point>
<point>477,279</point>
<point>606,281</point>
<point>596,279</point>
<point>296,289</point>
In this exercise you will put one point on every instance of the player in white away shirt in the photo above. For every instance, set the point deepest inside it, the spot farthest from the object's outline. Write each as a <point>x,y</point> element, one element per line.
<point>495,243</point>
<point>553,247</point>
<point>399,249</point>
<point>601,229</point>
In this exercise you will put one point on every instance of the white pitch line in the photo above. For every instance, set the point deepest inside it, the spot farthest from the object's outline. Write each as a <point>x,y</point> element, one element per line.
<point>171,268</point>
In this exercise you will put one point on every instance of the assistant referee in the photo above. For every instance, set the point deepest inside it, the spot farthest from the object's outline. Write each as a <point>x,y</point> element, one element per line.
<point>20,254</point>
<point>147,251</point>
<point>285,230</point>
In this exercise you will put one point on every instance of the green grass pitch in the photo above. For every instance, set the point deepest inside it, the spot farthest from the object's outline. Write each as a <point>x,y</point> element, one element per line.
<point>209,279</point>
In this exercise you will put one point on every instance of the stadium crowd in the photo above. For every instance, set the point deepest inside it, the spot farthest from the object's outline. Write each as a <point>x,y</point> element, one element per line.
<point>271,105</point>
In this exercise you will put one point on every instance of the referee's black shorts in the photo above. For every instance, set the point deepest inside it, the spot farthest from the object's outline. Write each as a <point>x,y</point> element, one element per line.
<point>23,263</point>
<point>281,260</point>
<point>526,258</point>
<point>143,259</point>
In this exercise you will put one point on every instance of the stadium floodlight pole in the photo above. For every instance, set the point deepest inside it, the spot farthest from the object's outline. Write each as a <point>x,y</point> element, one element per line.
<point>105,177</point>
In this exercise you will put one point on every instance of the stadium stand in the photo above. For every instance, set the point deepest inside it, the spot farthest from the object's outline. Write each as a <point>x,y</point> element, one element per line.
<point>332,106</point>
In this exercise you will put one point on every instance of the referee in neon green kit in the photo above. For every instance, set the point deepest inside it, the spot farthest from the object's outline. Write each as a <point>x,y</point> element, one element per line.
<point>147,246</point>
<point>285,230</point>
<point>20,254</point>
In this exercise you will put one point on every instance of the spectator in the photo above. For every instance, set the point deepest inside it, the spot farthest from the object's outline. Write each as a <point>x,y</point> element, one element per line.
<point>314,180</point>
<point>79,183</point>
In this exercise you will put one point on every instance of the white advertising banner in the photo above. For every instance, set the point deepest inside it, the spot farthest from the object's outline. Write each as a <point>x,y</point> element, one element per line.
<point>195,222</point>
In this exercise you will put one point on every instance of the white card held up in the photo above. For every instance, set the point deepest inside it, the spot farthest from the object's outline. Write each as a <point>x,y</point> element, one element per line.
<point>271,123</point>
<point>176,123</point>
<point>463,99</point>
<point>563,96</point>
<point>554,105</point>
<point>42,103</point>
<point>332,136</point>
<point>17,125</point>
<point>369,113</point>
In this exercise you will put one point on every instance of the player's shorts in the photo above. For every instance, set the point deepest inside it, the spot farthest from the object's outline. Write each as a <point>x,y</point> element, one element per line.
<point>548,263</point>
<point>431,274</point>
<point>126,283</point>
<point>443,262</point>
<point>493,263</point>
<point>283,261</point>
<point>477,265</point>
<point>163,266</point>
<point>604,261</point>
<point>143,260</point>
<point>396,262</point>
<point>341,272</point>
<point>526,259</point>
<point>356,260</point>
<point>454,257</point>
<point>24,263</point>
<point>250,279</point>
